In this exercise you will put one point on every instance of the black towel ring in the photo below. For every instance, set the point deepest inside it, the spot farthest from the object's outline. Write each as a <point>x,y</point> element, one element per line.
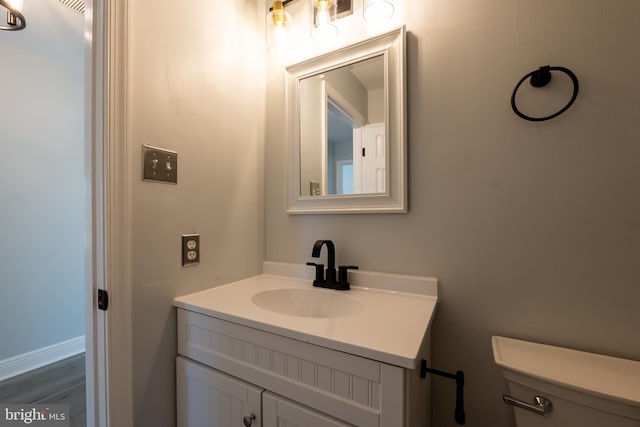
<point>540,78</point>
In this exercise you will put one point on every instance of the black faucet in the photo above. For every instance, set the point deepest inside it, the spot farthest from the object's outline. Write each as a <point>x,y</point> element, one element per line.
<point>329,280</point>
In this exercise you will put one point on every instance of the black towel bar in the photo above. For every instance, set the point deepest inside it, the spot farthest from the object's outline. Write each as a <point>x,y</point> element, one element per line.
<point>458,414</point>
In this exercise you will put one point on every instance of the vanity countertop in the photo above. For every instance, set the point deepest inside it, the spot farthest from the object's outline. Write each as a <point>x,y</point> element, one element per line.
<point>393,316</point>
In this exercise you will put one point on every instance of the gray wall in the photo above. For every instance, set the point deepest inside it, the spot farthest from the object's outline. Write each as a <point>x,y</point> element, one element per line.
<point>198,89</point>
<point>43,204</point>
<point>532,229</point>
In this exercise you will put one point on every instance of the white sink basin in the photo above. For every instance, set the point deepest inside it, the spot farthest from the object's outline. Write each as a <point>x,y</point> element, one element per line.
<point>384,317</point>
<point>312,302</point>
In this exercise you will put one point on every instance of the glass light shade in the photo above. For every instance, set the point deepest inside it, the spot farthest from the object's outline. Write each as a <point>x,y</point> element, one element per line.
<point>376,11</point>
<point>277,21</point>
<point>324,11</point>
<point>16,4</point>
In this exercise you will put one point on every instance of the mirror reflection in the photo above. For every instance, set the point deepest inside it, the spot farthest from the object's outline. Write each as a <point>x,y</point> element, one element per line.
<point>342,130</point>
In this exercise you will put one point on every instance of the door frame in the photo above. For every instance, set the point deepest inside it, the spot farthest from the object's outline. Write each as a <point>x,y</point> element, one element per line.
<point>108,333</point>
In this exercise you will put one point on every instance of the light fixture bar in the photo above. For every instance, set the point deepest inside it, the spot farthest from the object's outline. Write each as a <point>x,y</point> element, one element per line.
<point>284,4</point>
<point>15,18</point>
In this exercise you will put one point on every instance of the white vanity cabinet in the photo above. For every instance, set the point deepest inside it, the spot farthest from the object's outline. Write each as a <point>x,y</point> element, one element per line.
<point>227,371</point>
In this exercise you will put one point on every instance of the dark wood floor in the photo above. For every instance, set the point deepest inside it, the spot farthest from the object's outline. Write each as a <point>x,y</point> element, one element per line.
<point>62,382</point>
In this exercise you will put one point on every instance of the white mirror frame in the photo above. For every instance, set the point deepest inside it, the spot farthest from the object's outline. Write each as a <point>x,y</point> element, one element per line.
<point>394,200</point>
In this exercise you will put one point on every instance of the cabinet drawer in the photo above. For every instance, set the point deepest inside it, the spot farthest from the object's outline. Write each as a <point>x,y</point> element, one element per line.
<point>342,385</point>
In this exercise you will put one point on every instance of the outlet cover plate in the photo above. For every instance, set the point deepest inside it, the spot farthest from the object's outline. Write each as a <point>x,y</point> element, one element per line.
<point>159,165</point>
<point>190,249</point>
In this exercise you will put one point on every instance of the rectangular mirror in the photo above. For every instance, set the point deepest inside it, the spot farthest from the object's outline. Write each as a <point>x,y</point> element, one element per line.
<point>346,122</point>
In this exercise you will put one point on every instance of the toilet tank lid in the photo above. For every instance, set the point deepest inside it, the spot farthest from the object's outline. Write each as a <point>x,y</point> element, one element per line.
<point>618,379</point>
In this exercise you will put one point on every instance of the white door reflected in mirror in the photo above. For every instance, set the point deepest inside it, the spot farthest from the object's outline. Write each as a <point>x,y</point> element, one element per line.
<point>342,113</point>
<point>347,129</point>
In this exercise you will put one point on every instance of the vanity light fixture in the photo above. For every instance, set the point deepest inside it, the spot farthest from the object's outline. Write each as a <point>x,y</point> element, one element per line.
<point>377,11</point>
<point>277,21</point>
<point>324,12</point>
<point>15,18</point>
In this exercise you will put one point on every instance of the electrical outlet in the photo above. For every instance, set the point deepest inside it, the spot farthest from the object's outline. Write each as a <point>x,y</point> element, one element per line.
<point>190,249</point>
<point>159,165</point>
<point>314,188</point>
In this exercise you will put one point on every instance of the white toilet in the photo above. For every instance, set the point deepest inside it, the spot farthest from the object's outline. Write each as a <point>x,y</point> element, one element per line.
<point>558,387</point>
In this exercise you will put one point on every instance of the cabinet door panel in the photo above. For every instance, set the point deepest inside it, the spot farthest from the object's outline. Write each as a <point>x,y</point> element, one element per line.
<point>209,398</point>
<point>280,412</point>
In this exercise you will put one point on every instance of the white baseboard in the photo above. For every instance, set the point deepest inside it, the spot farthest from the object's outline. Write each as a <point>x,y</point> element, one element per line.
<point>26,362</point>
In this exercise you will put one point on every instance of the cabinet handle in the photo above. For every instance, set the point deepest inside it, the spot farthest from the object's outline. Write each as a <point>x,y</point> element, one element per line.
<point>248,420</point>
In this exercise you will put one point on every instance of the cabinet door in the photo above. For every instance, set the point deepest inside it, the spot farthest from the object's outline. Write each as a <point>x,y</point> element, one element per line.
<point>209,398</point>
<point>280,412</point>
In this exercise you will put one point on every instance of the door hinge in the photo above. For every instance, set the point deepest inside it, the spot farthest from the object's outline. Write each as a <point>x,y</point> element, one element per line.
<point>103,299</point>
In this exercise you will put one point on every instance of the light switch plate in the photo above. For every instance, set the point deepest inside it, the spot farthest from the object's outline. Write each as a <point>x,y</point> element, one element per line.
<point>159,164</point>
<point>190,249</point>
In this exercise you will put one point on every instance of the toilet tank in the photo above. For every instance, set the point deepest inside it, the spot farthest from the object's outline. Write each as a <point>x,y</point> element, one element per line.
<point>585,389</point>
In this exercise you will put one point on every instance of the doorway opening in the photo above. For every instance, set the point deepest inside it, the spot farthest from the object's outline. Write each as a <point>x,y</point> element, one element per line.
<point>45,220</point>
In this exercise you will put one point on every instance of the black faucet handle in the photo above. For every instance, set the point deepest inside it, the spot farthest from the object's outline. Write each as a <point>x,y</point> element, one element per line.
<point>342,275</point>
<point>319,271</point>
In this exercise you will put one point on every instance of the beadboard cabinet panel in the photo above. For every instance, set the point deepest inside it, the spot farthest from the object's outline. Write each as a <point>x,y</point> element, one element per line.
<point>325,382</point>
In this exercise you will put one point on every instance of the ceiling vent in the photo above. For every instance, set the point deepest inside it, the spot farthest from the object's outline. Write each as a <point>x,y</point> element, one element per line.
<point>77,5</point>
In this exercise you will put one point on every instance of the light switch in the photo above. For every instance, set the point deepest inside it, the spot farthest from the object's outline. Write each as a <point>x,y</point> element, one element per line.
<point>159,164</point>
